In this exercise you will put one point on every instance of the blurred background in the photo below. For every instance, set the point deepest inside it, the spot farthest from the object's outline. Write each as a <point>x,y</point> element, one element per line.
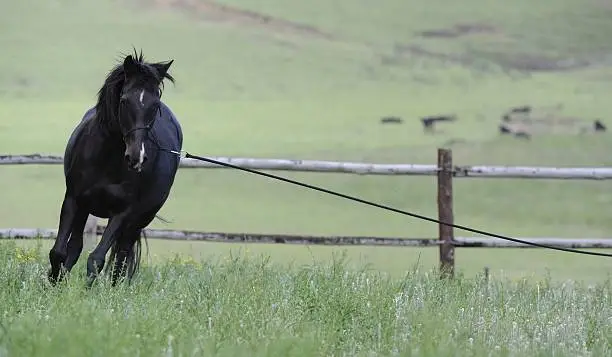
<point>334,80</point>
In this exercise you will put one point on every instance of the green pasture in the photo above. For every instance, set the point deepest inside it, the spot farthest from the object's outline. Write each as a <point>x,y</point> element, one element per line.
<point>280,91</point>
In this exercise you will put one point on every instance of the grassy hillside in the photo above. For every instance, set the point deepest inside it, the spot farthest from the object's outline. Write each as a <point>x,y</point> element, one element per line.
<point>311,80</point>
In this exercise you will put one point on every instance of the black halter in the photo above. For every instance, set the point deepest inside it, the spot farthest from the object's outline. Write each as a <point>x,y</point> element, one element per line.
<point>147,128</point>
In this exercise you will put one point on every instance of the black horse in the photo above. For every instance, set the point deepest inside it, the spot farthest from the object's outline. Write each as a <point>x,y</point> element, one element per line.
<point>120,163</point>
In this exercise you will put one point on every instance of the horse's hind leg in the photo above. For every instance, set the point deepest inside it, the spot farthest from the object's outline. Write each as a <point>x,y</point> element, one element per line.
<point>95,261</point>
<point>58,253</point>
<point>75,243</point>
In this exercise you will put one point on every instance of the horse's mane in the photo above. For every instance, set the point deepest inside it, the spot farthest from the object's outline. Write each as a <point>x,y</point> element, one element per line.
<point>107,106</point>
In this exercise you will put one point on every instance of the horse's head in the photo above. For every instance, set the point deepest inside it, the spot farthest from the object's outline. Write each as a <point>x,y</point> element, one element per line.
<point>139,104</point>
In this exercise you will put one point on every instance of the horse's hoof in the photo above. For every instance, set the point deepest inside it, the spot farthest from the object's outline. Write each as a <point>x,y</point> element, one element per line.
<point>52,277</point>
<point>90,281</point>
<point>55,277</point>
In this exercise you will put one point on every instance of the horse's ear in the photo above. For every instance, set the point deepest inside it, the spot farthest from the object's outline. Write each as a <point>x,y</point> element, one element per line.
<point>129,66</point>
<point>162,68</point>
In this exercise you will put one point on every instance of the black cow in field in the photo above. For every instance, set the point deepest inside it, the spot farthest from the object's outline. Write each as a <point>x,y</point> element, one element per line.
<point>524,109</point>
<point>518,132</point>
<point>391,120</point>
<point>429,121</point>
<point>599,126</point>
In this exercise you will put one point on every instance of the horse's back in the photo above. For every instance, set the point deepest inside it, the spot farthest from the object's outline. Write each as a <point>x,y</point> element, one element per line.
<point>76,132</point>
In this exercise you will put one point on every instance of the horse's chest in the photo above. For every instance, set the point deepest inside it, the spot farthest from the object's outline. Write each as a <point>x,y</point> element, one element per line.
<point>96,175</point>
<point>108,193</point>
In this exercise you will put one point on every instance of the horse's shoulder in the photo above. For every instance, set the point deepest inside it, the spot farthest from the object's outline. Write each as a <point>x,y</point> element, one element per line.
<point>168,117</point>
<point>166,111</point>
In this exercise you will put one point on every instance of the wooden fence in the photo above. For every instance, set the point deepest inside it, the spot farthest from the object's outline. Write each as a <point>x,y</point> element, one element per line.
<point>585,173</point>
<point>224,237</point>
<point>444,170</point>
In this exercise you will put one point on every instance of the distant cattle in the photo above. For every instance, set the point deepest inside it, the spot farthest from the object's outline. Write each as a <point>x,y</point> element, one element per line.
<point>391,120</point>
<point>517,131</point>
<point>522,135</point>
<point>523,109</point>
<point>599,126</point>
<point>429,121</point>
<point>503,129</point>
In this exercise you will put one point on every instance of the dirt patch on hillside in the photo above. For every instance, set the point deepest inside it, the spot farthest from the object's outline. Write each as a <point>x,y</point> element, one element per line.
<point>511,61</point>
<point>459,30</point>
<point>526,62</point>
<point>508,61</point>
<point>212,11</point>
<point>547,120</point>
<point>606,4</point>
<point>402,51</point>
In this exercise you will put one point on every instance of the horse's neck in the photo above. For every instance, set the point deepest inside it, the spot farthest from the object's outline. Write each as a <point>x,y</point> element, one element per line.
<point>104,140</point>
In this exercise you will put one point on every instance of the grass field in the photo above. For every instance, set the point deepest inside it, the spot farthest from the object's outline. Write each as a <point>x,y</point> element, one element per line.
<point>312,83</point>
<point>245,305</point>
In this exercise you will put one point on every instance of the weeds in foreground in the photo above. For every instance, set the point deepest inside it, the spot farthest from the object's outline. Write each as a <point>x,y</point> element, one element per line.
<point>245,305</point>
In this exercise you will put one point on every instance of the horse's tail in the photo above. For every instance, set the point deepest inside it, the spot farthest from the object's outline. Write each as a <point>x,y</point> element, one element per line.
<point>137,256</point>
<point>133,259</point>
<point>162,219</point>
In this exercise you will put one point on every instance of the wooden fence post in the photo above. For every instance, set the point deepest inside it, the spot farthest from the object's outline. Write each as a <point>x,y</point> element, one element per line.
<point>89,234</point>
<point>445,212</point>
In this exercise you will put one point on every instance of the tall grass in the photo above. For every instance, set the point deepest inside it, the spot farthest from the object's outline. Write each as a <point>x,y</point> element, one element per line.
<point>243,305</point>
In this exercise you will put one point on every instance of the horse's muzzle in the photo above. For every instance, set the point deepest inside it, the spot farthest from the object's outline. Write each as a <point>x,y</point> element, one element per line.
<point>135,162</point>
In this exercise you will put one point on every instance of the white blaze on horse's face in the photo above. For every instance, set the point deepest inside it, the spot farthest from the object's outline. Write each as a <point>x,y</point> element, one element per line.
<point>141,157</point>
<point>137,122</point>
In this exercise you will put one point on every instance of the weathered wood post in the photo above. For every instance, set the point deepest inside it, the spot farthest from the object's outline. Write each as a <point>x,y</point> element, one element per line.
<point>445,212</point>
<point>89,234</point>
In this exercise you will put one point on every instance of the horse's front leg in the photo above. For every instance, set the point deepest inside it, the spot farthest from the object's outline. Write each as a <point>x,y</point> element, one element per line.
<point>95,261</point>
<point>75,243</point>
<point>58,253</point>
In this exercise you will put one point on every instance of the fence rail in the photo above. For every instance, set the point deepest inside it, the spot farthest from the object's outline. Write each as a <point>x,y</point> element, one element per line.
<point>560,173</point>
<point>222,237</point>
<point>445,171</point>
